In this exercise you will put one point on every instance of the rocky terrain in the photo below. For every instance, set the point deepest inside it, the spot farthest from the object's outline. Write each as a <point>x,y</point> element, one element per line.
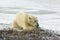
<point>36,34</point>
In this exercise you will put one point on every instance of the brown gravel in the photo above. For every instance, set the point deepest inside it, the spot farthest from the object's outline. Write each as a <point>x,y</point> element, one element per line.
<point>36,34</point>
<point>27,35</point>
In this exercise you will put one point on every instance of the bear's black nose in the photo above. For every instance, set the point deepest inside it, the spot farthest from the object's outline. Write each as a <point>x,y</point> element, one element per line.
<point>37,25</point>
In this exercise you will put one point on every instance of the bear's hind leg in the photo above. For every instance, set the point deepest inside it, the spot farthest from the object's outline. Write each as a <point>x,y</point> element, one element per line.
<point>15,25</point>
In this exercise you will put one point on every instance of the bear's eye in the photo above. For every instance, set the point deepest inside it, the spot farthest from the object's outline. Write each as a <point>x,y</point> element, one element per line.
<point>35,20</point>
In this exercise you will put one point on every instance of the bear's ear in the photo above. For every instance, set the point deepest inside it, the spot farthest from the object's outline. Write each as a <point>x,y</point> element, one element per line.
<point>29,18</point>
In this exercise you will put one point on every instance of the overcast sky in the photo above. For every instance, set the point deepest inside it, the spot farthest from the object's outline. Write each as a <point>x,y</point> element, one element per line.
<point>36,4</point>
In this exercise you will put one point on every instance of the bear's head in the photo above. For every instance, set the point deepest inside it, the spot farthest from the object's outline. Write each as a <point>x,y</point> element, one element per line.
<point>32,21</point>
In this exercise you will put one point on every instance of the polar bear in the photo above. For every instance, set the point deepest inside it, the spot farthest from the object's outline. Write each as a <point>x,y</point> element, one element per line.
<point>24,21</point>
